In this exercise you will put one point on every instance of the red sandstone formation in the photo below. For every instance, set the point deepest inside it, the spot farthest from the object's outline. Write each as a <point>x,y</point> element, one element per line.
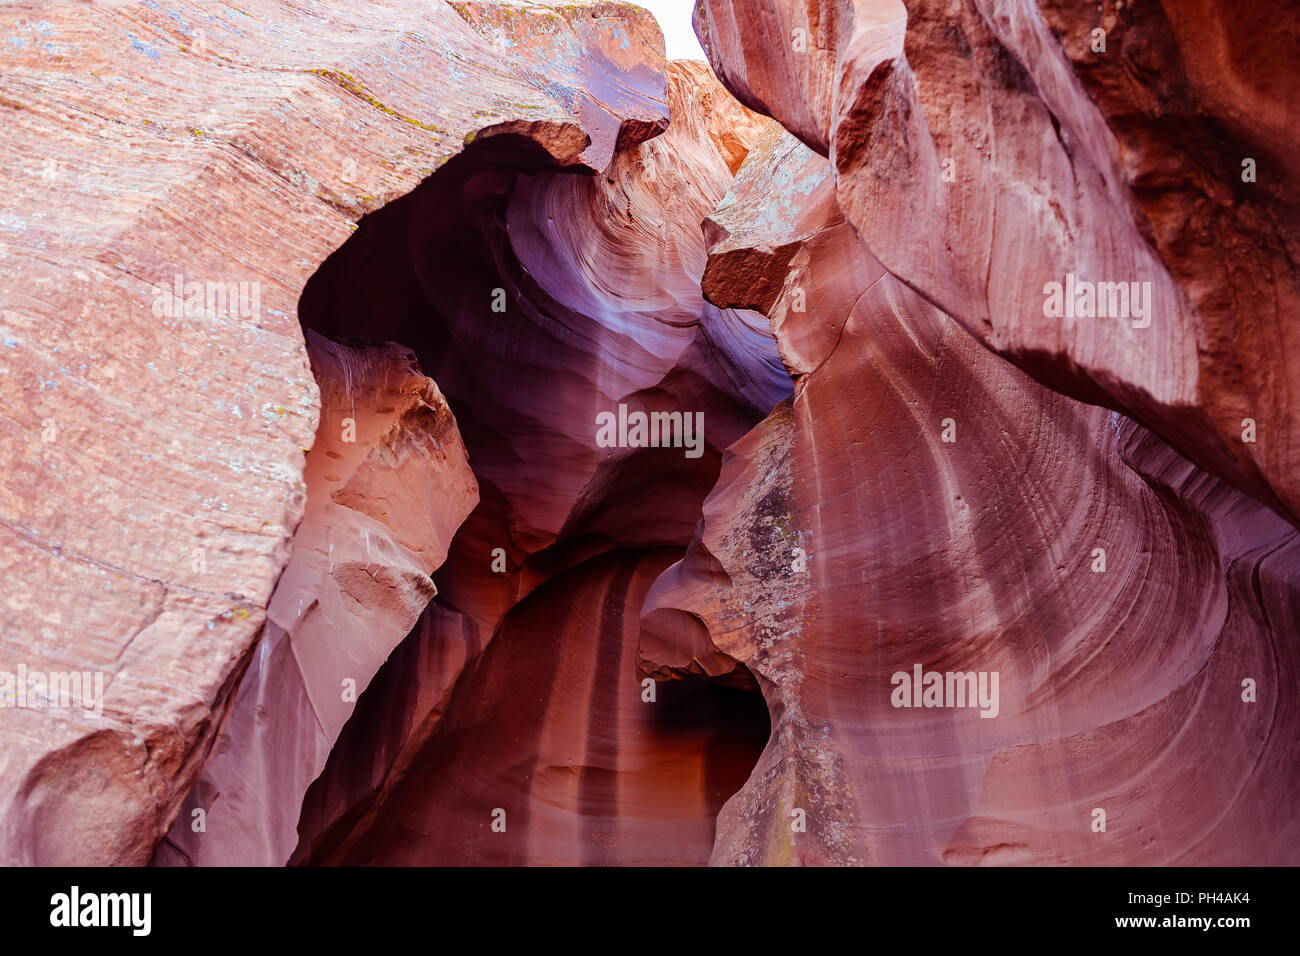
<point>554,741</point>
<point>388,484</point>
<point>427,608</point>
<point>847,540</point>
<point>603,307</point>
<point>235,145</point>
<point>983,150</point>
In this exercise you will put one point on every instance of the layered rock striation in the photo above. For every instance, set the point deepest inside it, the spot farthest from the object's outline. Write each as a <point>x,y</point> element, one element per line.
<point>451,433</point>
<point>176,176</point>
<point>921,504</point>
<point>1070,143</point>
<point>542,299</point>
<point>388,485</point>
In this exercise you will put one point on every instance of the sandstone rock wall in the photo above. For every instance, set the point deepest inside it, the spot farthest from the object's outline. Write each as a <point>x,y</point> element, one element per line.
<point>155,451</point>
<point>388,485</point>
<point>321,327</point>
<point>602,307</point>
<point>1034,148</point>
<point>920,501</point>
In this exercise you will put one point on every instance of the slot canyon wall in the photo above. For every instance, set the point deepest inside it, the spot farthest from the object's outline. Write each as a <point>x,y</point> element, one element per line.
<point>326,336</point>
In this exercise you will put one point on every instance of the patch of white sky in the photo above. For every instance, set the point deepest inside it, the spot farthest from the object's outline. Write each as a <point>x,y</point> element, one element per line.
<point>674,18</point>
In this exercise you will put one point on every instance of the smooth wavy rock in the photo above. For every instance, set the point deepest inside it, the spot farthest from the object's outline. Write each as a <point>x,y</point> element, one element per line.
<point>153,450</point>
<point>388,485</point>
<point>986,148</point>
<point>600,306</point>
<point>324,334</point>
<point>549,753</point>
<point>920,503</point>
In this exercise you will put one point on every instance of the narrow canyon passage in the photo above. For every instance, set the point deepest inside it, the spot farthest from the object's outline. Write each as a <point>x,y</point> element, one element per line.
<point>538,298</point>
<point>550,730</point>
<point>454,432</point>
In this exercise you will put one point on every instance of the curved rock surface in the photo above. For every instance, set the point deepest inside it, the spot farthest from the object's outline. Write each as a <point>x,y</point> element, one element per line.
<point>1034,148</point>
<point>921,503</point>
<point>601,308</point>
<point>549,754</point>
<point>206,145</point>
<point>331,342</point>
<point>388,485</point>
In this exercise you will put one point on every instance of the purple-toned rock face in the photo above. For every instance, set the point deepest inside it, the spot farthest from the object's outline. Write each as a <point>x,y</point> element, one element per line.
<point>600,309</point>
<point>452,433</point>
